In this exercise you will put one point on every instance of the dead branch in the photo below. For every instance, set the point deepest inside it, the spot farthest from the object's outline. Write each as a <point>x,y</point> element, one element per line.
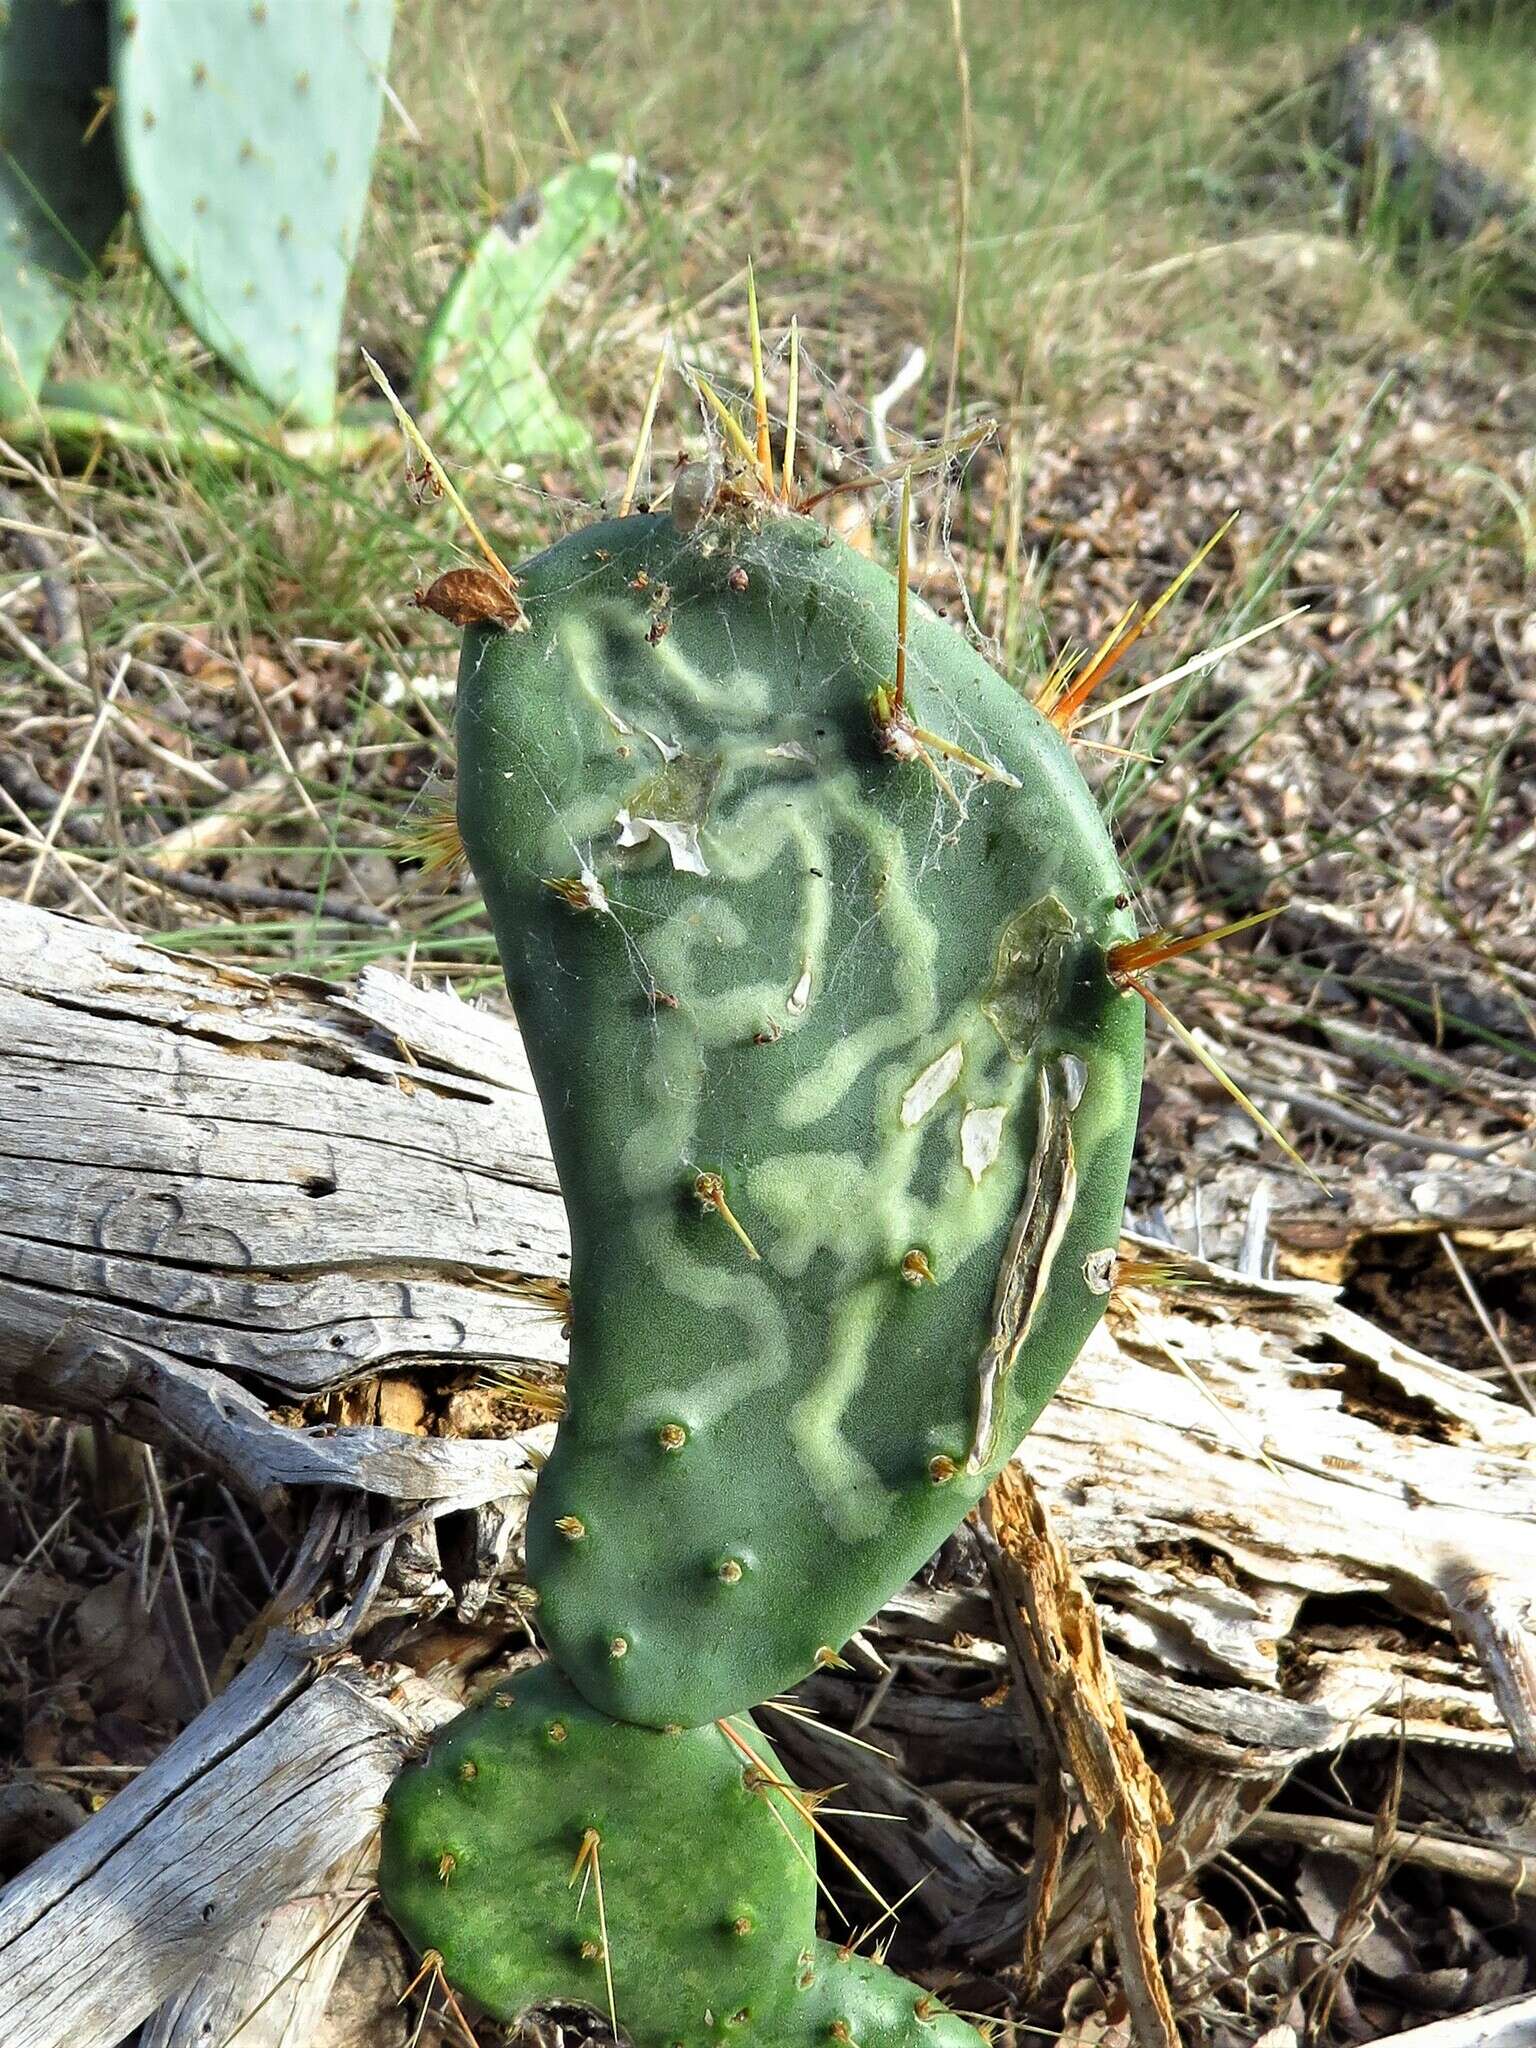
<point>1056,1651</point>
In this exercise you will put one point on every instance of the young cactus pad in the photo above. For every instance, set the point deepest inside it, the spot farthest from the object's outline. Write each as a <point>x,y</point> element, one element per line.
<point>59,195</point>
<point>246,133</point>
<point>840,1089</point>
<point>700,1882</point>
<point>848,1999</point>
<point>480,375</point>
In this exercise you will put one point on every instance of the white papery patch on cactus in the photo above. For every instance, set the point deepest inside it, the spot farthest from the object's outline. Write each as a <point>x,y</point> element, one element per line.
<point>681,841</point>
<point>981,1138</point>
<point>932,1084</point>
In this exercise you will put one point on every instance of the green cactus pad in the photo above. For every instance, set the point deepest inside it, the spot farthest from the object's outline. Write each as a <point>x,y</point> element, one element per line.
<point>708,1892</point>
<point>852,2001</point>
<point>60,197</point>
<point>480,376</point>
<point>246,133</point>
<point>861,999</point>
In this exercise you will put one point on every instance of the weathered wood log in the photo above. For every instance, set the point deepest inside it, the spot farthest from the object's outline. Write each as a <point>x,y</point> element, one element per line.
<point>295,1185</point>
<point>262,1796</point>
<point>226,1197</point>
<point>275,1979</point>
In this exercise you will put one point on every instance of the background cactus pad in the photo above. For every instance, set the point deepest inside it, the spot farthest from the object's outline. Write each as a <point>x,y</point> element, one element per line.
<point>59,195</point>
<point>246,133</point>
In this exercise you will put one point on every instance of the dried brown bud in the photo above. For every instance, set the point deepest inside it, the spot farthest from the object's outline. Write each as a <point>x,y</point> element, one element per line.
<point>473,597</point>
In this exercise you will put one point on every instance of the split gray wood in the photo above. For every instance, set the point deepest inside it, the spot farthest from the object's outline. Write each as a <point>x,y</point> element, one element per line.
<point>273,1983</point>
<point>1509,2024</point>
<point>269,1789</point>
<point>219,1192</point>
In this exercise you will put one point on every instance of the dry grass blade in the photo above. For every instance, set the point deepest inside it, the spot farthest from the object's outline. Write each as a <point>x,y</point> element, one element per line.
<point>1359,1915</point>
<point>67,864</point>
<point>918,465</point>
<point>1182,1365</point>
<point>1479,1308</point>
<point>342,1928</point>
<point>77,775</point>
<point>647,421</point>
<point>964,178</point>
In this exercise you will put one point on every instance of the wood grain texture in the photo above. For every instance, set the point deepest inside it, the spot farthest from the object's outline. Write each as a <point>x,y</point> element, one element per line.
<point>262,1176</point>
<point>271,1787</point>
<point>274,1980</point>
<point>222,1192</point>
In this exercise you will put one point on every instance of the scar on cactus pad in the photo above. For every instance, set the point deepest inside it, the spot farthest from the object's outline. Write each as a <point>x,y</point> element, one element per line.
<point>827,974</point>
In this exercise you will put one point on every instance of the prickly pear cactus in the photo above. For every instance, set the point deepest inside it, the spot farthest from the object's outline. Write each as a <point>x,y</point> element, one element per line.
<point>539,1831</point>
<point>60,197</point>
<point>480,375</point>
<point>246,132</point>
<point>549,1855</point>
<point>812,975</point>
<point>849,1999</point>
